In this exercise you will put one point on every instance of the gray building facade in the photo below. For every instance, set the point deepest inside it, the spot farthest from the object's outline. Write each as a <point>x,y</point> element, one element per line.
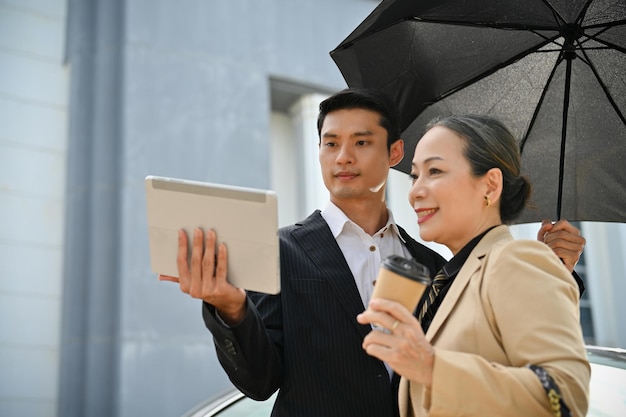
<point>97,94</point>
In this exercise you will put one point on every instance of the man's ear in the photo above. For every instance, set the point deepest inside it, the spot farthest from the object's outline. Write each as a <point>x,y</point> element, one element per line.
<point>396,152</point>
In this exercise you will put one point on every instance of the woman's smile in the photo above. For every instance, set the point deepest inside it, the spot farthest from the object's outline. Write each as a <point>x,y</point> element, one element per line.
<point>425,214</point>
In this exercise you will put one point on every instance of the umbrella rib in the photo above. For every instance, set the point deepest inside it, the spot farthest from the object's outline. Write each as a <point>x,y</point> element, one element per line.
<point>583,12</point>
<point>557,16</point>
<point>539,102</point>
<point>493,25</point>
<point>559,47</point>
<point>606,25</point>
<point>607,93</point>
<point>607,45</point>
<point>551,39</point>
<point>492,70</point>
<point>594,36</point>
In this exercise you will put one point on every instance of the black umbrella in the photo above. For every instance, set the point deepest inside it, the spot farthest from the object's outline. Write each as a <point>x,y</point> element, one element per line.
<point>553,70</point>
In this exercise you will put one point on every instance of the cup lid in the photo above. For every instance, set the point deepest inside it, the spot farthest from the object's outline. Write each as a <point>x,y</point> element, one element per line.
<point>408,268</point>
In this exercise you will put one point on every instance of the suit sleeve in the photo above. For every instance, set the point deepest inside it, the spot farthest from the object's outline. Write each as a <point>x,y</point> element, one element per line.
<point>250,353</point>
<point>580,283</point>
<point>533,302</point>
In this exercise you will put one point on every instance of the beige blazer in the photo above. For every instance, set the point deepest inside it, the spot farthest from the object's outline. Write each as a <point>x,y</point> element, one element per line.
<point>512,304</point>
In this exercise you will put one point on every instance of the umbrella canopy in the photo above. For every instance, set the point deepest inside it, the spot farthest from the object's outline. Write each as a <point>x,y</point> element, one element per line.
<point>553,70</point>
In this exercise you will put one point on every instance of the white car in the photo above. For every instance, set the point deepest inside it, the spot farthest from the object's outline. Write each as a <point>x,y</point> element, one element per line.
<point>607,391</point>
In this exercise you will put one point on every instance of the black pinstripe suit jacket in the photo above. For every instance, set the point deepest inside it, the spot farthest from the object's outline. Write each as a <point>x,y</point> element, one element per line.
<point>306,340</point>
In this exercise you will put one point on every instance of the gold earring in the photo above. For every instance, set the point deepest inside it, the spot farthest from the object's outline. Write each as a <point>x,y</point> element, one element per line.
<point>487,201</point>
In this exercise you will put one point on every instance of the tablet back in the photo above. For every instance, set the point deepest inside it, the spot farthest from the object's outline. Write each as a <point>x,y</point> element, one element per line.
<point>245,219</point>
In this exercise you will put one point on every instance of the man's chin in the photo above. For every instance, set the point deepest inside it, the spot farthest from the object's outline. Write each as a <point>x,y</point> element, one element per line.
<point>344,193</point>
<point>352,193</point>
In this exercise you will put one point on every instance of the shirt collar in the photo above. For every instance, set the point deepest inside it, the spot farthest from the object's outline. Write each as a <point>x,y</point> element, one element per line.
<point>337,221</point>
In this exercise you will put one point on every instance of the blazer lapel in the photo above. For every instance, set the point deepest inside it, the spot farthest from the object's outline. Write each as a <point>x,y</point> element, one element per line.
<point>318,242</point>
<point>470,267</point>
<point>460,282</point>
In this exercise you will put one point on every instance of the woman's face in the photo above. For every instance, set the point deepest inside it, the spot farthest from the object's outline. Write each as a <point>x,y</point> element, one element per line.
<point>448,200</point>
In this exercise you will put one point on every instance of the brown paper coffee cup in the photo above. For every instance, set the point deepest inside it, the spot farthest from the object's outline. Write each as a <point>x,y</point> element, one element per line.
<point>402,280</point>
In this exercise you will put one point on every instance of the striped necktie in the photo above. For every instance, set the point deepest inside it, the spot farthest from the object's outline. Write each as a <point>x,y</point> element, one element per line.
<point>428,310</point>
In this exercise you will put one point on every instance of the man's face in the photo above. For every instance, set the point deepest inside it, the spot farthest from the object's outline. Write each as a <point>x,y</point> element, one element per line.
<point>353,154</point>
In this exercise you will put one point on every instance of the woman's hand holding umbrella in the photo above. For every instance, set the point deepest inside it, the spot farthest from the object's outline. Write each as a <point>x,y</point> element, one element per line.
<point>564,239</point>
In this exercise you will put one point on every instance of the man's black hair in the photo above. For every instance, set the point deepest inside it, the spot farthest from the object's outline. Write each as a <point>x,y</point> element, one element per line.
<point>368,99</point>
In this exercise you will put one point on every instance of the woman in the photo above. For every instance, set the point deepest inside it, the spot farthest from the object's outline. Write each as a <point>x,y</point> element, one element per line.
<point>506,338</point>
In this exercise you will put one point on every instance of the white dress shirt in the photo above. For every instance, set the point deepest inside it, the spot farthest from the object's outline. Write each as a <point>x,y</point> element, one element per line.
<point>363,252</point>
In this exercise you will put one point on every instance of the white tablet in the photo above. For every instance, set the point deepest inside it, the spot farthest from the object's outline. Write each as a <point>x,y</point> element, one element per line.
<point>245,219</point>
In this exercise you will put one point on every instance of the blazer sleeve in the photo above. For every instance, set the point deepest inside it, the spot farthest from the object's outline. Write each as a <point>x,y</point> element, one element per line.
<point>249,352</point>
<point>533,304</point>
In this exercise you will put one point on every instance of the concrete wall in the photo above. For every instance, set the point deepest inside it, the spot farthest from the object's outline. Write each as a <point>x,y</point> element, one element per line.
<point>182,89</point>
<point>33,144</point>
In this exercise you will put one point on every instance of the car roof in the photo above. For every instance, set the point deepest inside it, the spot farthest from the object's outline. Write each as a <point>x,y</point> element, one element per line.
<point>615,357</point>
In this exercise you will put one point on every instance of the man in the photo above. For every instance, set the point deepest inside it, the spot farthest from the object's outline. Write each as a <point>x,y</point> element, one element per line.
<point>305,341</point>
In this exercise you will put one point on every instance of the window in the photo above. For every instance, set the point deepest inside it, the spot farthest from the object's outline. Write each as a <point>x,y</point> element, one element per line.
<point>295,171</point>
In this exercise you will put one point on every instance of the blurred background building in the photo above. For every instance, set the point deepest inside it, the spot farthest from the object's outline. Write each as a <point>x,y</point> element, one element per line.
<point>97,94</point>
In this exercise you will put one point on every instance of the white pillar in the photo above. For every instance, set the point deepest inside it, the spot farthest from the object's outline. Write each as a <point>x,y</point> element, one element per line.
<point>606,263</point>
<point>312,194</point>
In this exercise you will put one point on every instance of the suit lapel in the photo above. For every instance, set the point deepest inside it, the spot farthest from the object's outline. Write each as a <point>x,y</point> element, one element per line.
<point>314,235</point>
<point>473,263</point>
<point>420,253</point>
